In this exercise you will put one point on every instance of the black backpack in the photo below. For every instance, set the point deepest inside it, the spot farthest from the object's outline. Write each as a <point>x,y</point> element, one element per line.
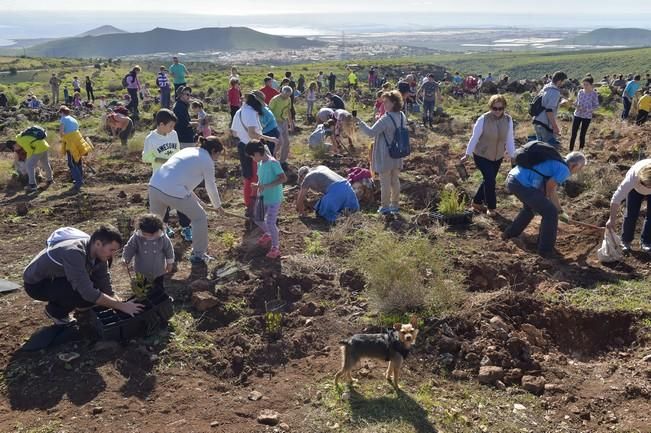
<point>534,153</point>
<point>36,132</point>
<point>536,106</point>
<point>125,83</point>
<point>399,147</point>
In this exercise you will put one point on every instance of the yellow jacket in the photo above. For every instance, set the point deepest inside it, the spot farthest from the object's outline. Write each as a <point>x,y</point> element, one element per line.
<point>645,103</point>
<point>75,143</point>
<point>32,146</point>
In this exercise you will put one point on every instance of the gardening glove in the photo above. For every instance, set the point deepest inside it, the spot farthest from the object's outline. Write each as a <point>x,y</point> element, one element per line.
<point>564,217</point>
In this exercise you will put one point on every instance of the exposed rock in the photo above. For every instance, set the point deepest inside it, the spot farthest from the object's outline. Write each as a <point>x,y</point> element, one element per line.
<point>489,374</point>
<point>269,417</point>
<point>311,309</point>
<point>122,194</point>
<point>533,384</point>
<point>136,198</point>
<point>97,410</point>
<point>255,395</point>
<point>202,286</point>
<point>283,426</point>
<point>352,280</point>
<point>513,376</point>
<point>449,345</point>
<point>204,301</point>
<point>554,388</point>
<point>499,323</point>
<point>22,209</point>
<point>460,375</point>
<point>646,358</point>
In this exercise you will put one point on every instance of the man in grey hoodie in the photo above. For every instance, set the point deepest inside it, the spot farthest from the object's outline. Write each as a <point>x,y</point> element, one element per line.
<point>74,273</point>
<point>545,123</point>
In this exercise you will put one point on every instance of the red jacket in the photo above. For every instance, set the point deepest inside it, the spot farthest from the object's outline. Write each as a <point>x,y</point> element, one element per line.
<point>269,92</point>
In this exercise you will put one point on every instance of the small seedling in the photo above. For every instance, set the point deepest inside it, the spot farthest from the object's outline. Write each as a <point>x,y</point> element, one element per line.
<point>140,287</point>
<point>449,203</point>
<point>313,244</point>
<point>228,239</point>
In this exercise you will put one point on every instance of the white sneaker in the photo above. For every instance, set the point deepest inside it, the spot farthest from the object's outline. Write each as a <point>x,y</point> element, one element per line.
<point>646,248</point>
<point>200,258</point>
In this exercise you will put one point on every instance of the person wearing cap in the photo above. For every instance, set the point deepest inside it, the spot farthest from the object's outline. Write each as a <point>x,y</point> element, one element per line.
<point>184,126</point>
<point>338,194</point>
<point>280,106</point>
<point>179,72</point>
<point>163,83</point>
<point>246,127</point>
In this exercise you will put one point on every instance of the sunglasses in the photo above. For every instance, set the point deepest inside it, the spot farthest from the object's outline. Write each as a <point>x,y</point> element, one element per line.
<point>497,108</point>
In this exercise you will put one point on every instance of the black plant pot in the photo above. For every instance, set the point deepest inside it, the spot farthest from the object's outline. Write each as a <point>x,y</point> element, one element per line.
<point>453,220</point>
<point>115,325</point>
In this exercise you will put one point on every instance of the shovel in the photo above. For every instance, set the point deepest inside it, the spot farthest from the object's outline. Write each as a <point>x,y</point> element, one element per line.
<point>586,225</point>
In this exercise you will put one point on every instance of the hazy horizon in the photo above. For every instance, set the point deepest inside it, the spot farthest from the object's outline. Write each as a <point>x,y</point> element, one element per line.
<point>65,24</point>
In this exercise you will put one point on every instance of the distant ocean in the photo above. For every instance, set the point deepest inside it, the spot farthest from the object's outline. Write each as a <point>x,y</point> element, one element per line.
<point>60,24</point>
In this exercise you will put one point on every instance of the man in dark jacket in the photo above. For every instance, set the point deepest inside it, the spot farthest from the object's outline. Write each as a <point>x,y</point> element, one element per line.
<point>184,126</point>
<point>74,273</point>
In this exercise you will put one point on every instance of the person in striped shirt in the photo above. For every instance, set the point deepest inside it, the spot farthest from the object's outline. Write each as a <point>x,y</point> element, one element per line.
<point>163,83</point>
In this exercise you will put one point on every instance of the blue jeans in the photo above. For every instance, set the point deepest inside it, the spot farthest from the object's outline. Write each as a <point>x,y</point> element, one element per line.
<point>76,170</point>
<point>627,107</point>
<point>534,200</point>
<point>546,136</point>
<point>633,205</point>
<point>428,111</point>
<point>486,191</point>
<point>165,97</point>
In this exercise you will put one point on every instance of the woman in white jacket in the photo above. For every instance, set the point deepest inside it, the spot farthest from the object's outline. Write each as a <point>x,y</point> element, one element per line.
<point>635,188</point>
<point>492,138</point>
<point>174,183</point>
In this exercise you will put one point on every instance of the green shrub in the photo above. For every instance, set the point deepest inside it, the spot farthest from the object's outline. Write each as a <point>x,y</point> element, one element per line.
<point>314,245</point>
<point>449,203</point>
<point>405,274</point>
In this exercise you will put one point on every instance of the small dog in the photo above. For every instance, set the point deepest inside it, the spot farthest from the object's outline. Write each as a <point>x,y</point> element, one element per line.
<point>393,346</point>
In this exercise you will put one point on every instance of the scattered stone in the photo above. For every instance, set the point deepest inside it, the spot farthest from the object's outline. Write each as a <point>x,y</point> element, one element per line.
<point>513,376</point>
<point>136,198</point>
<point>500,385</point>
<point>97,410</point>
<point>204,301</point>
<point>22,209</point>
<point>498,323</point>
<point>269,417</point>
<point>646,358</point>
<point>489,374</point>
<point>449,345</point>
<point>554,388</point>
<point>345,396</point>
<point>214,424</point>
<point>309,322</point>
<point>202,286</point>
<point>255,395</point>
<point>122,194</point>
<point>310,309</point>
<point>518,407</point>
<point>533,384</point>
<point>534,335</point>
<point>68,357</point>
<point>284,426</point>
<point>447,360</point>
<point>460,375</point>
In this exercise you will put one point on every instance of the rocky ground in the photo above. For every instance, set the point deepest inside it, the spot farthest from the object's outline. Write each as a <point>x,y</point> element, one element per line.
<point>515,357</point>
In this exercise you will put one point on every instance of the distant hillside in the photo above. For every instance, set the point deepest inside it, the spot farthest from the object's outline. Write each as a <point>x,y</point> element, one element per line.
<point>613,37</point>
<point>101,31</point>
<point>161,40</point>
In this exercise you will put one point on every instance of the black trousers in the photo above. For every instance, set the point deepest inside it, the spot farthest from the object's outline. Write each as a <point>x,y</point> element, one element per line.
<point>90,94</point>
<point>642,117</point>
<point>61,298</point>
<point>583,124</point>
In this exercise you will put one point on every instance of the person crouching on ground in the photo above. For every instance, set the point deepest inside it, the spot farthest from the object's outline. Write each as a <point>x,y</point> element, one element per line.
<point>74,146</point>
<point>536,188</point>
<point>152,252</point>
<point>492,137</point>
<point>338,194</point>
<point>74,273</point>
<point>635,189</point>
<point>271,178</point>
<point>643,108</point>
<point>120,126</point>
<point>172,186</point>
<point>36,153</point>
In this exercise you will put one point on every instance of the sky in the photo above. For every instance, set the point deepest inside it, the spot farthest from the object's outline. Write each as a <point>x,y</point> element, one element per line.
<point>249,7</point>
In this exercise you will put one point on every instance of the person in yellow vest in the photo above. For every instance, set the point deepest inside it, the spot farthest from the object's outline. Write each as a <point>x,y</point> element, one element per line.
<point>36,153</point>
<point>74,146</point>
<point>352,79</point>
<point>643,108</point>
<point>492,139</point>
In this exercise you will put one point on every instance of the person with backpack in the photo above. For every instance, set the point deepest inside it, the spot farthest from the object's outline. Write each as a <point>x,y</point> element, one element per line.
<point>544,109</point>
<point>32,141</point>
<point>629,95</point>
<point>389,131</point>
<point>492,137</point>
<point>539,170</point>
<point>587,101</point>
<point>132,85</point>
<point>74,146</point>
<point>635,189</point>
<point>73,273</point>
<point>338,194</point>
